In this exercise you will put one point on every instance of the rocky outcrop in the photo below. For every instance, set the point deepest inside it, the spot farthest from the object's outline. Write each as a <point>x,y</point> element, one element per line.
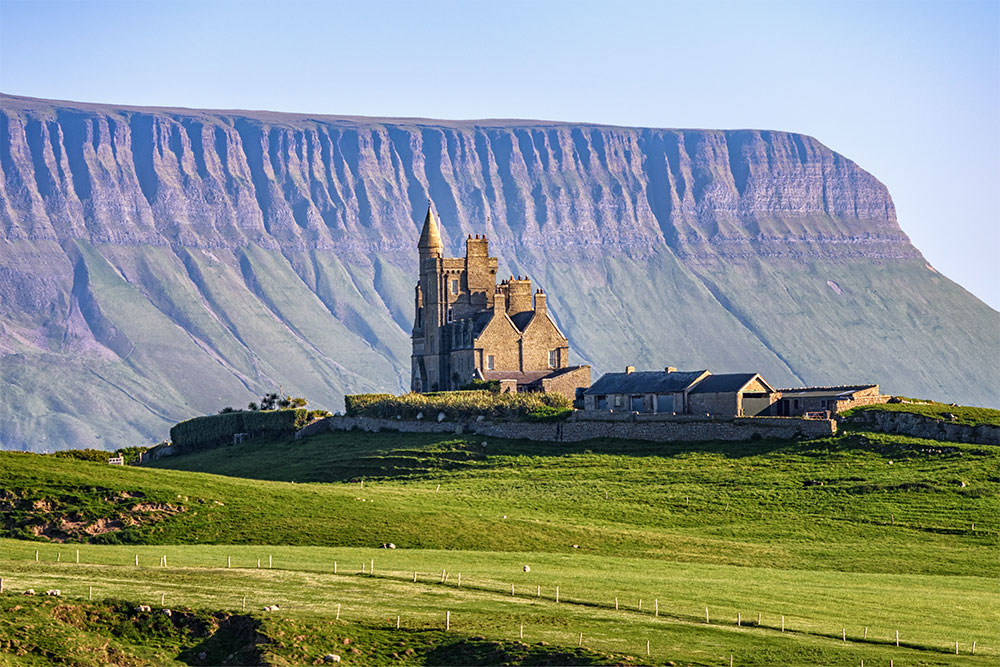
<point>919,426</point>
<point>161,263</point>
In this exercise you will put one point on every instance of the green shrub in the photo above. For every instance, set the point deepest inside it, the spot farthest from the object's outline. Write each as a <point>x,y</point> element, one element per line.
<point>492,386</point>
<point>355,404</point>
<point>455,405</point>
<point>99,455</point>
<point>216,430</point>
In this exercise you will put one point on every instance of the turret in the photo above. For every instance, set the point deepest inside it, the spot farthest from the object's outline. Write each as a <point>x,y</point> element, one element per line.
<point>430,237</point>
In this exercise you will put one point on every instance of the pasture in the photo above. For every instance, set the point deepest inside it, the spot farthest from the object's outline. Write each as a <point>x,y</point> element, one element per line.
<point>845,540</point>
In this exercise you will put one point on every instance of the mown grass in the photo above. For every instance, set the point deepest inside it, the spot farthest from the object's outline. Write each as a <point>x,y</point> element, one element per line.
<point>957,414</point>
<point>931,613</point>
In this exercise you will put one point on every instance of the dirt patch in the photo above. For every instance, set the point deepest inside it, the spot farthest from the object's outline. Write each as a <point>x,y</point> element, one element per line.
<point>79,514</point>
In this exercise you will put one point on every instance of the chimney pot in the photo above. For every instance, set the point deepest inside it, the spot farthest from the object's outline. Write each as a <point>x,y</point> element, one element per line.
<point>629,370</point>
<point>670,369</point>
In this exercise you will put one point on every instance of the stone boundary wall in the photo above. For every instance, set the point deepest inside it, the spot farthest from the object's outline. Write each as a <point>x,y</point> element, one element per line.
<point>877,399</point>
<point>918,426</point>
<point>626,426</point>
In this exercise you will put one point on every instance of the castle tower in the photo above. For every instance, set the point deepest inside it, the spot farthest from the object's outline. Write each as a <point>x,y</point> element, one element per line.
<point>467,327</point>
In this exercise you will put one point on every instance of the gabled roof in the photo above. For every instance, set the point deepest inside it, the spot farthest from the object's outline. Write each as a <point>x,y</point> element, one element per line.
<point>479,322</point>
<point>521,319</point>
<point>727,382</point>
<point>645,382</point>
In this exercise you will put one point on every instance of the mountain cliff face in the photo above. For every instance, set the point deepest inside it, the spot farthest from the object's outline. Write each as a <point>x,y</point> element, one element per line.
<point>160,263</point>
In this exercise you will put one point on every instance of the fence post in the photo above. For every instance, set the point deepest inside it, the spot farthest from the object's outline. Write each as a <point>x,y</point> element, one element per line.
<point>90,592</point>
<point>397,622</point>
<point>447,620</point>
<point>521,635</point>
<point>656,607</point>
<point>782,623</point>
<point>244,605</point>
<point>557,594</point>
<point>338,612</point>
<point>77,555</point>
<point>897,638</point>
<point>706,615</point>
<point>229,561</point>
<point>269,561</point>
<point>36,555</point>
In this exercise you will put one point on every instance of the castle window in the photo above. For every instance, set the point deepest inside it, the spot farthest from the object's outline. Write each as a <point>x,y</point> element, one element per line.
<point>489,362</point>
<point>602,402</point>
<point>553,358</point>
<point>454,287</point>
<point>451,315</point>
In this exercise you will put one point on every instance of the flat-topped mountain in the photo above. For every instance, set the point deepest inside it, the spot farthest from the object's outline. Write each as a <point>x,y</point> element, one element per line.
<point>161,263</point>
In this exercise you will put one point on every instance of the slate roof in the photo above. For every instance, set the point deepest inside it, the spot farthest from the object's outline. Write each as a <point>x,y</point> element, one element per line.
<point>644,382</point>
<point>521,319</point>
<point>479,322</point>
<point>724,383</point>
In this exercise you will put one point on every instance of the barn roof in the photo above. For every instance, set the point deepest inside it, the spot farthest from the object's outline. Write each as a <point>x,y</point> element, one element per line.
<point>645,382</point>
<point>726,382</point>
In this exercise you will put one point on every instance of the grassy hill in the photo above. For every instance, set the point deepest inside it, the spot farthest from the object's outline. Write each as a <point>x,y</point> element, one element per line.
<point>859,535</point>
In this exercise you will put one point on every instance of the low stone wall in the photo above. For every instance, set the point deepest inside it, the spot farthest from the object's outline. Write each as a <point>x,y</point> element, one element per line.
<point>625,426</point>
<point>918,426</point>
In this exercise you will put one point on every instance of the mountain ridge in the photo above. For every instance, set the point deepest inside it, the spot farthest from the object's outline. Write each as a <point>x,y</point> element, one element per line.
<point>200,258</point>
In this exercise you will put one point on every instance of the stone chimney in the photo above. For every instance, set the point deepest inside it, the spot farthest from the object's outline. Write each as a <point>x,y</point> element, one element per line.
<point>540,307</point>
<point>518,295</point>
<point>629,370</point>
<point>670,369</point>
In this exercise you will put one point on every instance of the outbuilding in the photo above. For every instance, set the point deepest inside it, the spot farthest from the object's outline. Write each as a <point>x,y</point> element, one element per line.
<point>732,394</point>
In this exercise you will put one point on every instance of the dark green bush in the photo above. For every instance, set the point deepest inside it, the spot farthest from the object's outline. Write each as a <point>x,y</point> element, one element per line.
<point>99,455</point>
<point>216,430</point>
<point>492,386</point>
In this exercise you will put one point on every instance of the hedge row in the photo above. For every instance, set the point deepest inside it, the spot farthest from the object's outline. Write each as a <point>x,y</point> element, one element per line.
<point>457,405</point>
<point>216,430</point>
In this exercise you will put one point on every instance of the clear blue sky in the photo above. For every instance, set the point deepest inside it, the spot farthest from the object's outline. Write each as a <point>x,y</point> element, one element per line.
<point>909,90</point>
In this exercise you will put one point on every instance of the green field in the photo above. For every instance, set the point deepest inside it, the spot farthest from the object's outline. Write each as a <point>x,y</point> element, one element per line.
<point>862,534</point>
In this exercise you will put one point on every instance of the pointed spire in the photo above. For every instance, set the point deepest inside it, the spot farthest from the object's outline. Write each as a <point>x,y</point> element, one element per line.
<point>430,238</point>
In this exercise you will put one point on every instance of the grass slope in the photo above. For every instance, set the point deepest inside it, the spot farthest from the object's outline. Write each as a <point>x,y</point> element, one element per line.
<point>835,504</point>
<point>863,535</point>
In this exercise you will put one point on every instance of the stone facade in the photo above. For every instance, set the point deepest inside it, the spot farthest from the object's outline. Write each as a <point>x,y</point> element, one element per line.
<point>588,425</point>
<point>674,392</point>
<point>833,400</point>
<point>467,326</point>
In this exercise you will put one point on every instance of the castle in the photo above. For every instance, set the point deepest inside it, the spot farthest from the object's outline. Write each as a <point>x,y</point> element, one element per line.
<point>466,326</point>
